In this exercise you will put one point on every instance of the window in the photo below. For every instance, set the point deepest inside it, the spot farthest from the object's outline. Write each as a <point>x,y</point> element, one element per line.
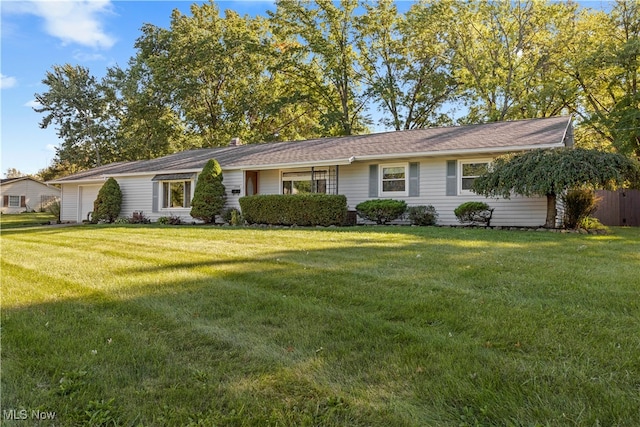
<point>304,182</point>
<point>176,194</point>
<point>14,201</point>
<point>393,180</point>
<point>469,171</point>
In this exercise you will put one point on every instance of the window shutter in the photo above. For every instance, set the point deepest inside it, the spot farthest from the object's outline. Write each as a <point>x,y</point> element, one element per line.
<point>23,201</point>
<point>5,201</point>
<point>452,179</point>
<point>154,199</point>
<point>373,180</point>
<point>414,179</point>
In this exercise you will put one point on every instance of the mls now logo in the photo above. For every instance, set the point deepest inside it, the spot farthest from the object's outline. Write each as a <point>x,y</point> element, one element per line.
<point>23,414</point>
<point>14,414</point>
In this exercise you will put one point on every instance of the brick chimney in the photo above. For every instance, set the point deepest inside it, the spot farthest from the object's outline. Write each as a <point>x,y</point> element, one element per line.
<point>235,142</point>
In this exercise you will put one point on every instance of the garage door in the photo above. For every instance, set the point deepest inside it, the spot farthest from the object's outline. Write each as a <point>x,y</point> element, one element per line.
<point>88,194</point>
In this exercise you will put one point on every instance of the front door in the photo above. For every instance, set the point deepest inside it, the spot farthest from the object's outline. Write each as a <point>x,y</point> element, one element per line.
<point>251,183</point>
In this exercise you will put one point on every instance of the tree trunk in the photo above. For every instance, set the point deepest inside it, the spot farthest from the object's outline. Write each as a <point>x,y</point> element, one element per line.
<point>552,211</point>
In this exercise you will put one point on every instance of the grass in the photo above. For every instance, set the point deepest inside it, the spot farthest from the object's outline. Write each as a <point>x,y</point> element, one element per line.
<point>25,219</point>
<point>367,326</point>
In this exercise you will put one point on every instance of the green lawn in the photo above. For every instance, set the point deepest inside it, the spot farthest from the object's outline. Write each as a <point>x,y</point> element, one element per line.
<point>25,219</point>
<point>366,326</point>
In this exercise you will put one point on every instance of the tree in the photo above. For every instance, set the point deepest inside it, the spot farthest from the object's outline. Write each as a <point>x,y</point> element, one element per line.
<point>406,63</point>
<point>209,195</point>
<point>13,173</point>
<point>322,58</point>
<point>107,205</point>
<point>505,56</point>
<point>552,172</point>
<point>76,104</point>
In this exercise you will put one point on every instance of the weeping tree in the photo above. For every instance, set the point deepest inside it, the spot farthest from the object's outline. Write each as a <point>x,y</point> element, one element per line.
<point>552,172</point>
<point>209,195</point>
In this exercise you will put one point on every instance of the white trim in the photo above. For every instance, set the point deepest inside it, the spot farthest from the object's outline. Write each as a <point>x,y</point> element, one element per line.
<point>381,192</point>
<point>459,175</point>
<point>9,205</point>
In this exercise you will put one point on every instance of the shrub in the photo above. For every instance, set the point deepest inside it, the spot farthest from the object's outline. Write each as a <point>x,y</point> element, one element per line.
<point>474,213</point>
<point>299,209</point>
<point>232,216</point>
<point>209,195</point>
<point>138,217</point>
<point>106,207</point>
<point>54,209</point>
<point>591,223</point>
<point>422,215</point>
<point>381,210</point>
<point>170,220</point>
<point>578,203</point>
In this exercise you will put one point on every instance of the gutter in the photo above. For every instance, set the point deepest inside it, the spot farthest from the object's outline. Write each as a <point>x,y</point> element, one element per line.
<point>458,152</point>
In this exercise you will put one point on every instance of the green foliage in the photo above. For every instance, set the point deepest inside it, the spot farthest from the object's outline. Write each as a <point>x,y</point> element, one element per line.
<point>381,211</point>
<point>591,223</point>
<point>232,216</point>
<point>209,195</point>
<point>106,207</point>
<point>422,215</point>
<point>170,220</point>
<point>298,209</point>
<point>474,213</point>
<point>54,209</point>
<point>542,172</point>
<point>579,203</point>
<point>550,172</point>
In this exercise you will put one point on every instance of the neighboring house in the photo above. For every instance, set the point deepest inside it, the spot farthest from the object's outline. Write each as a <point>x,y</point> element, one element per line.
<point>26,194</point>
<point>433,166</point>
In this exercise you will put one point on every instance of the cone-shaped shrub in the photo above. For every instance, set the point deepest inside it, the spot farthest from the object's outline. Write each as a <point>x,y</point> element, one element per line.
<point>107,205</point>
<point>209,196</point>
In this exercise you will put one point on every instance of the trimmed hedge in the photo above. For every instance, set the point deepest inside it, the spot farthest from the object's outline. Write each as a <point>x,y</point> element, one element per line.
<point>298,209</point>
<point>381,210</point>
<point>474,213</point>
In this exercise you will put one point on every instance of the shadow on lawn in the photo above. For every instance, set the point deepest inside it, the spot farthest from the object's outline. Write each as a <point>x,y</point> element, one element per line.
<point>371,334</point>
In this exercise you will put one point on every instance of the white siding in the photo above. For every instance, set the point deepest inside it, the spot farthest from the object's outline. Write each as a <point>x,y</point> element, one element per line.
<point>137,195</point>
<point>32,192</point>
<point>518,211</point>
<point>233,180</point>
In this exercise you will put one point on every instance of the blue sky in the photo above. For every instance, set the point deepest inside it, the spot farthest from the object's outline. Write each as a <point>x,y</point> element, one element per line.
<point>39,34</point>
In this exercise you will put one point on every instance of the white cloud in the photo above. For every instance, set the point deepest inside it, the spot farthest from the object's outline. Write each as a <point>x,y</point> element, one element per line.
<point>33,104</point>
<point>75,21</point>
<point>6,81</point>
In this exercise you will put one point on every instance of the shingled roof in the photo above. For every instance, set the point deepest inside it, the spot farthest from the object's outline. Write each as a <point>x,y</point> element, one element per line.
<point>499,137</point>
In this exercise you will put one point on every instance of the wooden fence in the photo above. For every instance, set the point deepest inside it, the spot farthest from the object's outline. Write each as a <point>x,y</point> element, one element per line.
<point>620,207</point>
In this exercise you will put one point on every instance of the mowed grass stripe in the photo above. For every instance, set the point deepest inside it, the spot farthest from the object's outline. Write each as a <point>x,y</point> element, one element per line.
<point>363,326</point>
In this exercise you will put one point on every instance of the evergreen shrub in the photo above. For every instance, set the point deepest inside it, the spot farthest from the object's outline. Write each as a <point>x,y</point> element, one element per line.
<point>298,209</point>
<point>475,213</point>
<point>209,195</point>
<point>381,211</point>
<point>106,207</point>
<point>422,215</point>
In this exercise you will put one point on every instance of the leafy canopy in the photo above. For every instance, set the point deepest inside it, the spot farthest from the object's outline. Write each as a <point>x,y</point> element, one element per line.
<point>550,172</point>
